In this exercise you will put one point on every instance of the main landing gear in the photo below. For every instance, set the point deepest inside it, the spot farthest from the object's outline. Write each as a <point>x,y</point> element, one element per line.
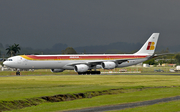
<point>89,72</point>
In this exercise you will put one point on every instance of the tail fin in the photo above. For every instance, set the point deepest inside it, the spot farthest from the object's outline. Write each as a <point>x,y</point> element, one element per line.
<point>150,45</point>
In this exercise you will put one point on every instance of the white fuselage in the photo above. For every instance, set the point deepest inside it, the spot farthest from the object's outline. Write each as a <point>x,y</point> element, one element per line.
<point>21,63</point>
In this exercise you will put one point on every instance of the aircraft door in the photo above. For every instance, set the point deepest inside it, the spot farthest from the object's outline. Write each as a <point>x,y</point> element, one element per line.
<point>25,62</point>
<point>19,60</point>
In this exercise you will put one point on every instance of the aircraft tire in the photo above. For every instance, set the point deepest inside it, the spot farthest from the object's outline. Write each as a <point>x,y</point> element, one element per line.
<point>92,72</point>
<point>79,73</point>
<point>88,72</point>
<point>97,72</point>
<point>84,73</point>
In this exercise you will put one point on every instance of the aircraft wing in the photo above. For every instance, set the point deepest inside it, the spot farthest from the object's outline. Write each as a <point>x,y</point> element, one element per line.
<point>121,61</point>
<point>98,62</point>
<point>156,55</point>
<point>86,63</point>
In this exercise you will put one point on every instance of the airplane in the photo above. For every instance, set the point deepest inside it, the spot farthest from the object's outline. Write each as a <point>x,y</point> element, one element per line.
<point>84,63</point>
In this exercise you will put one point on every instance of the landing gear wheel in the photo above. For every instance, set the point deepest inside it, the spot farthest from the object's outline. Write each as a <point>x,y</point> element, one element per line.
<point>89,72</point>
<point>79,73</point>
<point>18,73</point>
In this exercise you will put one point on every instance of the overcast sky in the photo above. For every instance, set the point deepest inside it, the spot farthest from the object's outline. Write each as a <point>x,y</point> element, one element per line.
<point>43,23</point>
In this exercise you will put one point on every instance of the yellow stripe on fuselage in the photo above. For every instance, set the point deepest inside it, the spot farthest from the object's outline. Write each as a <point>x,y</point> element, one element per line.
<point>26,57</point>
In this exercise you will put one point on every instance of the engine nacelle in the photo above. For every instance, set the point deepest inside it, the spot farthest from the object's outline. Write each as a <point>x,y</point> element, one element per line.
<point>108,65</point>
<point>81,68</point>
<point>57,70</point>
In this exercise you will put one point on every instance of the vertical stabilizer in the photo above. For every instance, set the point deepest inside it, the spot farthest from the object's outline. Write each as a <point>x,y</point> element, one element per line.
<point>150,45</point>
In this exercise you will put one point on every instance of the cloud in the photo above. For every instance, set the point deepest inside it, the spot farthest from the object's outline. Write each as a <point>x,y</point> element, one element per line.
<point>43,23</point>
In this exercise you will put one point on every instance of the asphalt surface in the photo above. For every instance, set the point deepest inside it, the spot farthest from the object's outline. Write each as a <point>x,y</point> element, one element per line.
<point>124,106</point>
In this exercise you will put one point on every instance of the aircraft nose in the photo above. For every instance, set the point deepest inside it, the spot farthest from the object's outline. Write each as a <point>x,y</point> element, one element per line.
<point>4,62</point>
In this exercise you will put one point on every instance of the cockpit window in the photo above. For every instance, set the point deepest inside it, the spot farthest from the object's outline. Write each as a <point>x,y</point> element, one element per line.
<point>9,60</point>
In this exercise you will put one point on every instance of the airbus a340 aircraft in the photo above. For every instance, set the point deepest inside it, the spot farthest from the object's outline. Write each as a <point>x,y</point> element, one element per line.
<point>83,64</point>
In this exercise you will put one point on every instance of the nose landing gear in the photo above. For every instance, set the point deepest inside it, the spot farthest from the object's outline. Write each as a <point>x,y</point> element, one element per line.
<point>18,72</point>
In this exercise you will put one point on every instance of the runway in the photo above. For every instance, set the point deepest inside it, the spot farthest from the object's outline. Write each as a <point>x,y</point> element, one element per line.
<point>124,106</point>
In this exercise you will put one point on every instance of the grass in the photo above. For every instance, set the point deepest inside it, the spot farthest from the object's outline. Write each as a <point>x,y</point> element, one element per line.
<point>105,100</point>
<point>23,87</point>
<point>15,88</point>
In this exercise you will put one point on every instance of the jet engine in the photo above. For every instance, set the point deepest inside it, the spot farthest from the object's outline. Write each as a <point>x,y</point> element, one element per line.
<point>81,68</point>
<point>57,70</point>
<point>108,65</point>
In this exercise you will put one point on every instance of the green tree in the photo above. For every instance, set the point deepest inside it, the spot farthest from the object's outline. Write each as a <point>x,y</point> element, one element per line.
<point>165,51</point>
<point>69,50</point>
<point>12,50</point>
<point>16,48</point>
<point>177,57</point>
<point>151,62</point>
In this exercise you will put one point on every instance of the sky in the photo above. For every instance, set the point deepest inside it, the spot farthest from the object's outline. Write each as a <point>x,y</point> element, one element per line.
<point>43,23</point>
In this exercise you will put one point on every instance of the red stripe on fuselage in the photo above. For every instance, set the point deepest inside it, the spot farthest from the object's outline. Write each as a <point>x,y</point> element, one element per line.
<point>86,57</point>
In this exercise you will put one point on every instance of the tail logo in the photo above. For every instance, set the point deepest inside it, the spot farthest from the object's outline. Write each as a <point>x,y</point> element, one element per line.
<point>151,46</point>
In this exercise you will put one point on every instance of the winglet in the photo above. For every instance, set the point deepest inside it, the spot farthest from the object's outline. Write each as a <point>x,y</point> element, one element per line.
<point>150,45</point>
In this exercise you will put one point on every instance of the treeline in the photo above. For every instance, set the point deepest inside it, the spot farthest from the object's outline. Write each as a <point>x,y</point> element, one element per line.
<point>16,49</point>
<point>173,58</point>
<point>113,48</point>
